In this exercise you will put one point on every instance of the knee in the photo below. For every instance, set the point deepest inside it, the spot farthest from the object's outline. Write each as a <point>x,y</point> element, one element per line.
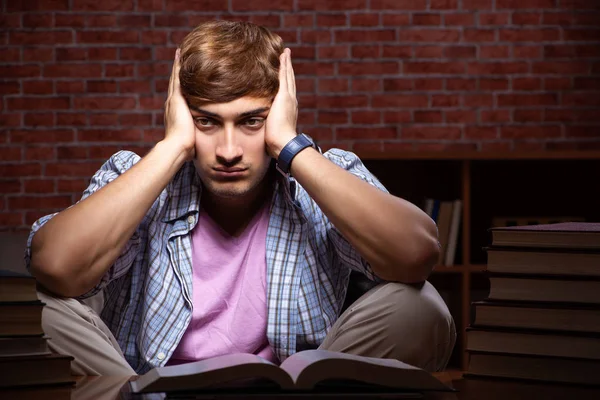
<point>420,316</point>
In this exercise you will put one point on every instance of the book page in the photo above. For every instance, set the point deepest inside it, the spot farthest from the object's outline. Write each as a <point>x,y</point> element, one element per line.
<point>310,367</point>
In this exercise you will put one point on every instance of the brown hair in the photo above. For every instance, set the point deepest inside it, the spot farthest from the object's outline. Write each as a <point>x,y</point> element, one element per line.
<point>222,61</point>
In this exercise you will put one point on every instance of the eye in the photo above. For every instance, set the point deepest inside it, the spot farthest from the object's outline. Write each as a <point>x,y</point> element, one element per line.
<point>254,122</point>
<point>202,121</point>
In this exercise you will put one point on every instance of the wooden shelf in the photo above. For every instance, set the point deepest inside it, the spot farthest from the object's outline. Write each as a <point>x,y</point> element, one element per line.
<point>490,185</point>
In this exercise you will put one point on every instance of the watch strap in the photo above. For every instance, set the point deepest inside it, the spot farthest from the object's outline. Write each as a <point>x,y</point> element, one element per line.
<point>290,150</point>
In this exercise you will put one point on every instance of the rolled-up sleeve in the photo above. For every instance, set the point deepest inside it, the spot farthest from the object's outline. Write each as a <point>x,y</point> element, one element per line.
<point>111,170</point>
<point>346,252</point>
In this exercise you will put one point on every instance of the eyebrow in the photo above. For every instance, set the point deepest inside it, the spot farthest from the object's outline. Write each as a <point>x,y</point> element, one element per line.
<point>242,115</point>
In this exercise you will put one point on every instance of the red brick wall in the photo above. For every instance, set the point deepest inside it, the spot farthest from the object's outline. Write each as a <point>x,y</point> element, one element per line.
<point>83,78</point>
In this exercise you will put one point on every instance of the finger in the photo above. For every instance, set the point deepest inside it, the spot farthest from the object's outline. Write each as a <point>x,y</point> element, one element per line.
<point>176,85</point>
<point>283,85</point>
<point>172,77</point>
<point>290,74</point>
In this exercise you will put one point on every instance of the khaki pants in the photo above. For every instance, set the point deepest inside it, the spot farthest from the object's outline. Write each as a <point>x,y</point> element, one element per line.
<point>392,320</point>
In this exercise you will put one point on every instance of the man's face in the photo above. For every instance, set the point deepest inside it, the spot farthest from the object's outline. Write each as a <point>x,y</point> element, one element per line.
<point>231,157</point>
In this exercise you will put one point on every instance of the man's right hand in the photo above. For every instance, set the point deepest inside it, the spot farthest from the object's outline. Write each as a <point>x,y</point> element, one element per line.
<point>179,124</point>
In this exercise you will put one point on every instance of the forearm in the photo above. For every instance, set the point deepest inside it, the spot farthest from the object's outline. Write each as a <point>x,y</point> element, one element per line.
<point>393,235</point>
<point>72,251</point>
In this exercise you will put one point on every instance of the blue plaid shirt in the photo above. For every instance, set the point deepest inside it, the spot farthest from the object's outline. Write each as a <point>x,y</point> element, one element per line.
<point>148,290</point>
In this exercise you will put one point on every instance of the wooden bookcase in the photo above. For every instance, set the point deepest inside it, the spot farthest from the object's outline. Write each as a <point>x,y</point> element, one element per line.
<point>515,184</point>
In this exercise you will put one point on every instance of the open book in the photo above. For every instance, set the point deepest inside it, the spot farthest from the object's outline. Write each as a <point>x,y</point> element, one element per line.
<point>303,371</point>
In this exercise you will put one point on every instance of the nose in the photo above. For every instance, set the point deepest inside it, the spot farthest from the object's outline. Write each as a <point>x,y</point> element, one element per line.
<point>229,151</point>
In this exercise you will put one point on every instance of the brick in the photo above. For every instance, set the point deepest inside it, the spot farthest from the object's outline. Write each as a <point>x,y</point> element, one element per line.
<point>133,21</point>
<point>155,37</point>
<point>528,145</point>
<point>430,132</point>
<point>391,51</point>
<point>11,55</point>
<point>38,87</point>
<point>495,18</point>
<point>429,35</point>
<point>10,185</point>
<point>430,116</point>
<point>324,20</point>
<point>38,103</point>
<point>332,5</point>
<point>443,4</point>
<point>391,19</point>
<point>104,86</point>
<point>270,21</point>
<point>154,69</point>
<point>39,119</point>
<point>426,19</point>
<point>23,71</point>
<point>105,103</point>
<point>560,115</point>
<point>589,131</point>
<point>529,35</point>
<point>36,54</point>
<point>41,136</point>
<point>477,4</point>
<point>119,70</point>
<point>526,18</point>
<point>71,119</point>
<point>19,170</point>
<point>528,115</point>
<point>520,4</point>
<point>495,116</point>
<point>135,119</point>
<point>560,67</point>
<point>334,52</point>
<point>398,5</point>
<point>10,154</point>
<point>462,19</point>
<point>9,120</point>
<point>529,132</point>
<point>429,84</point>
<point>39,202</point>
<point>370,133</point>
<point>10,87</point>
<point>69,87</point>
<point>109,135</point>
<point>581,99</point>
<point>333,85</point>
<point>10,21</point>
<point>11,219</point>
<point>112,37</point>
<point>445,100</point>
<point>105,5</point>
<point>72,71</point>
<point>366,117</point>
<point>150,5</point>
<point>364,19</point>
<point>303,52</point>
<point>299,20</point>
<point>497,68</point>
<point>342,101</point>
<point>366,85</point>
<point>479,35</point>
<point>170,20</point>
<point>478,100</point>
<point>38,5</point>
<point>429,52</point>
<point>36,38</point>
<point>399,100</point>
<point>367,147</point>
<point>498,51</point>
<point>245,5</point>
<point>152,102</point>
<point>135,53</point>
<point>380,35</point>
<point>71,54</point>
<point>434,67</point>
<point>460,117</point>
<point>103,119</point>
<point>586,83</point>
<point>460,52</point>
<point>481,132</point>
<point>517,100</point>
<point>493,84</point>
<point>315,36</point>
<point>461,84</point>
<point>102,54</point>
<point>101,20</point>
<point>525,51</point>
<point>397,84</point>
<point>397,117</point>
<point>37,21</point>
<point>135,87</point>
<point>38,186</point>
<point>69,20</point>
<point>368,68</point>
<point>333,117</point>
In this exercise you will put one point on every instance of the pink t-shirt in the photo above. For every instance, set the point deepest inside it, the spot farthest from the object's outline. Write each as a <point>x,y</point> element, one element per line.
<point>229,292</point>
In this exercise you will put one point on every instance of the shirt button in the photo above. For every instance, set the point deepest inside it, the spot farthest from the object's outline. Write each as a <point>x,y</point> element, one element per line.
<point>190,220</point>
<point>160,356</point>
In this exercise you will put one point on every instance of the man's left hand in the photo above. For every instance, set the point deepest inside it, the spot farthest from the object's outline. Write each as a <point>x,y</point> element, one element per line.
<point>281,122</point>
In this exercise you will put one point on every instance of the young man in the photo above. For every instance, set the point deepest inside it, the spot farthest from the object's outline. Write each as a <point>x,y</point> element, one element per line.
<point>235,234</point>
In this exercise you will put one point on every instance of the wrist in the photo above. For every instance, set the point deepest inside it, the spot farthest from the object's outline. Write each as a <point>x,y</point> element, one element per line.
<point>174,150</point>
<point>275,148</point>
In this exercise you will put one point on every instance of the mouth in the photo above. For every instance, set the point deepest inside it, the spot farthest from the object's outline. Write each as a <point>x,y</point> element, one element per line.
<point>228,173</point>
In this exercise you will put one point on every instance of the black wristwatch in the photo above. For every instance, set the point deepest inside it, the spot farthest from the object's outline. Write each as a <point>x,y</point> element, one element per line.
<point>289,151</point>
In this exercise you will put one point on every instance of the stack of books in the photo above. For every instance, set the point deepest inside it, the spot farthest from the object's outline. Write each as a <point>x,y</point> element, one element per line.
<point>541,320</point>
<point>25,359</point>
<point>447,216</point>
